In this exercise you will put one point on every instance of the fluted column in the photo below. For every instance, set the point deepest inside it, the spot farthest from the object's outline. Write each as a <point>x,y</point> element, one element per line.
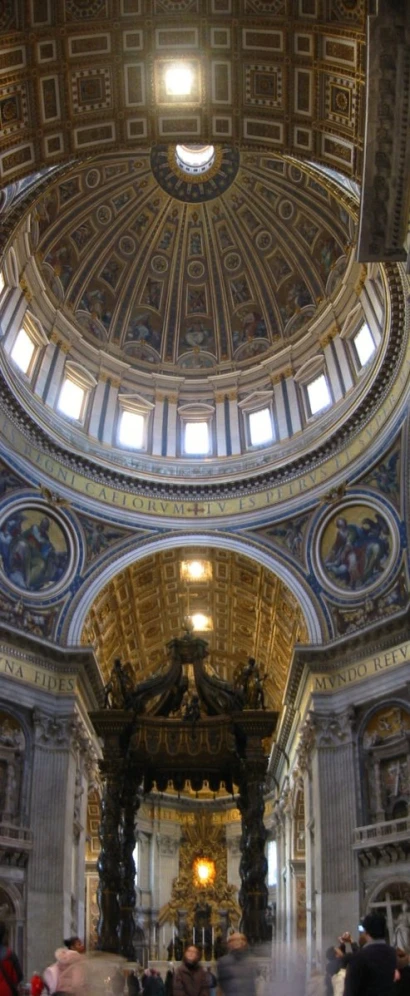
<point>51,822</point>
<point>280,887</point>
<point>304,762</point>
<point>335,815</point>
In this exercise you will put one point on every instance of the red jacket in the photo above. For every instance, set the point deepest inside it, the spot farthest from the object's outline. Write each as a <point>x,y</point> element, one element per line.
<point>10,972</point>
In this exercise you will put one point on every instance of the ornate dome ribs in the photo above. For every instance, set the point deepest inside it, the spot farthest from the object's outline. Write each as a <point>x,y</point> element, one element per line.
<point>157,280</point>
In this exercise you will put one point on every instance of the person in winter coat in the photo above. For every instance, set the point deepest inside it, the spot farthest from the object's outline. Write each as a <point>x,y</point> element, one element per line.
<point>71,972</point>
<point>372,971</point>
<point>10,969</point>
<point>235,970</point>
<point>133,983</point>
<point>190,978</point>
<point>169,982</point>
<point>152,984</point>
<point>402,985</point>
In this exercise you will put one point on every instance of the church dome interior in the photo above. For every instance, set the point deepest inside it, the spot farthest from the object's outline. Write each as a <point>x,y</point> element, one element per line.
<point>204,477</point>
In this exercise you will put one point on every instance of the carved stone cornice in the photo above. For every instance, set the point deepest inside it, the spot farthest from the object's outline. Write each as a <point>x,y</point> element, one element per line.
<point>387,854</point>
<point>52,732</point>
<point>347,650</point>
<point>307,741</point>
<point>333,729</point>
<point>167,845</point>
<point>322,730</point>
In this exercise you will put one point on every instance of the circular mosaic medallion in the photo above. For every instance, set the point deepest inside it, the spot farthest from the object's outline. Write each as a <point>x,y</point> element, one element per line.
<point>37,550</point>
<point>194,188</point>
<point>159,264</point>
<point>356,547</point>
<point>127,245</point>
<point>196,269</point>
<point>104,214</point>
<point>295,174</point>
<point>93,178</point>
<point>263,240</point>
<point>232,261</point>
<point>286,210</point>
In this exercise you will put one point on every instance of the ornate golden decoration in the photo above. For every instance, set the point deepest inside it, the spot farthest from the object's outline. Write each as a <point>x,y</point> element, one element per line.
<point>201,838</point>
<point>204,872</point>
<point>53,498</point>
<point>335,495</point>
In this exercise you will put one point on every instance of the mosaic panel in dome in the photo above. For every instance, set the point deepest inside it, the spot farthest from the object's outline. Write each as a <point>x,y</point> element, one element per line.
<point>191,284</point>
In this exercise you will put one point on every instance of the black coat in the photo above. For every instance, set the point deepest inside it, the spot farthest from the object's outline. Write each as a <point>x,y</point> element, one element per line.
<point>402,988</point>
<point>236,973</point>
<point>371,971</point>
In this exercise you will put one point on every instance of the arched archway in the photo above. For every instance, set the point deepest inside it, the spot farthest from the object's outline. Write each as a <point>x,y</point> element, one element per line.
<point>291,576</point>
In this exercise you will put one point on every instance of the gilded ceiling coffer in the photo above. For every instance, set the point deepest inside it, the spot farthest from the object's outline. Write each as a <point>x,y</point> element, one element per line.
<point>182,723</point>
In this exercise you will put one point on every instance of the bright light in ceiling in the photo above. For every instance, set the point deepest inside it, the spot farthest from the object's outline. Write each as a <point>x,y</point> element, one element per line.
<point>179,80</point>
<point>196,569</point>
<point>195,156</point>
<point>200,622</point>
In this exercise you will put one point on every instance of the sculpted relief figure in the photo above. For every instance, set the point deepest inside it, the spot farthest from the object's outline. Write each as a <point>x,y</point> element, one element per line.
<point>402,928</point>
<point>119,687</point>
<point>248,679</point>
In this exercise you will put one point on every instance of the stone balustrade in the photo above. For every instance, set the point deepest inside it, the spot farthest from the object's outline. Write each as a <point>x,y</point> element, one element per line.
<point>16,843</point>
<point>390,831</point>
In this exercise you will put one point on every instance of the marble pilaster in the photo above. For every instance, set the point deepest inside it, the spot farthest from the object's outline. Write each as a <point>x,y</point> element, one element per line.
<point>333,862</point>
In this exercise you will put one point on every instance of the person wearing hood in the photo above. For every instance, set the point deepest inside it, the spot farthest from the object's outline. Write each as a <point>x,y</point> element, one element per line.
<point>190,978</point>
<point>10,969</point>
<point>71,970</point>
<point>235,970</point>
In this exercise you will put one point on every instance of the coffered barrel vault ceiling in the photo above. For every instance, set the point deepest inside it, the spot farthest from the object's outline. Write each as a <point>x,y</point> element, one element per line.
<point>253,615</point>
<point>87,76</point>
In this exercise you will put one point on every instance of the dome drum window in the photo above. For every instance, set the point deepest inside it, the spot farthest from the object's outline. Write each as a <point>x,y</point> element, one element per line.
<point>258,424</point>
<point>23,351</point>
<point>24,345</point>
<point>75,391</point>
<point>364,345</point>
<point>318,394</point>
<point>196,430</point>
<point>315,386</point>
<point>362,337</point>
<point>133,422</point>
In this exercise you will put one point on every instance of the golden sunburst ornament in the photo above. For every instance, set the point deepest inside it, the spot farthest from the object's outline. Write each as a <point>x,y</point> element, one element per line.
<point>204,872</point>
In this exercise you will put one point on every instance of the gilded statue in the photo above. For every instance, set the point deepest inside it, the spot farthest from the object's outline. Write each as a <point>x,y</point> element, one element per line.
<point>247,678</point>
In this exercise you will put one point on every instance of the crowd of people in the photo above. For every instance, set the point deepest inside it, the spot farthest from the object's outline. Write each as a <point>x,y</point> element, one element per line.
<point>368,967</point>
